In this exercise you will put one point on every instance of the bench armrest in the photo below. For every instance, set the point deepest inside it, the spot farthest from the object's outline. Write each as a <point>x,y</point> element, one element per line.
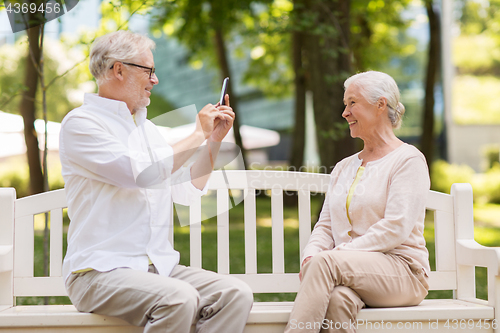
<point>471,253</point>
<point>6,264</point>
<point>7,199</point>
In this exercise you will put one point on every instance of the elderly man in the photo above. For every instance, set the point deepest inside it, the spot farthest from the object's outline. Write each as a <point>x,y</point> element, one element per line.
<point>121,178</point>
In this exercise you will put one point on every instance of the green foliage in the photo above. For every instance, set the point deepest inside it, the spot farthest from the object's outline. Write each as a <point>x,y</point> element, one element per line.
<point>377,36</point>
<point>376,31</point>
<point>477,54</point>
<point>443,175</point>
<point>116,14</point>
<point>17,176</point>
<point>159,106</point>
<point>61,93</point>
<point>479,16</point>
<point>267,39</point>
<point>18,180</point>
<point>197,24</point>
<point>487,185</point>
<point>492,153</point>
<point>477,58</point>
<point>336,133</point>
<point>475,100</point>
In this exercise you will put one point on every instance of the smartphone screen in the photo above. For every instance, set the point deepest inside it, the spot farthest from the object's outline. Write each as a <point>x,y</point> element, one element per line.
<point>222,101</point>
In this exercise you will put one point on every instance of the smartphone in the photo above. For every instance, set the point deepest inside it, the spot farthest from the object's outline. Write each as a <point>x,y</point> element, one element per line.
<point>222,100</point>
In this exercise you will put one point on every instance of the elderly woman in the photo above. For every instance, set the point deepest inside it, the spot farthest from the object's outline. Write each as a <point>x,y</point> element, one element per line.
<point>367,248</point>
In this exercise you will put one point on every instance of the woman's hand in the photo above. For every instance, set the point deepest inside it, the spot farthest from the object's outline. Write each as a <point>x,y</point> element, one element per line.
<point>306,260</point>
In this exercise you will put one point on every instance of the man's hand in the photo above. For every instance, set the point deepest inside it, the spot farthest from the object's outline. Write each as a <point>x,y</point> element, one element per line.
<point>205,120</point>
<point>215,120</point>
<point>224,121</point>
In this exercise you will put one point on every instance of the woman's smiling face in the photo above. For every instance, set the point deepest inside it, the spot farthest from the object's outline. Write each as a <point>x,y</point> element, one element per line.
<point>359,113</point>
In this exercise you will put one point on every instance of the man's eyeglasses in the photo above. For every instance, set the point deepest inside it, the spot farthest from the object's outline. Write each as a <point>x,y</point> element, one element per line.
<point>151,69</point>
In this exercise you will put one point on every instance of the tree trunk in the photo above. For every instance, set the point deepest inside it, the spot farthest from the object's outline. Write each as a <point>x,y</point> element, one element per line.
<point>427,139</point>
<point>226,72</point>
<point>27,109</point>
<point>329,65</point>
<point>299,130</point>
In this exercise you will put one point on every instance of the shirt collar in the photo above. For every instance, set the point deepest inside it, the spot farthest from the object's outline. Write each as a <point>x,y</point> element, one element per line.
<point>116,107</point>
<point>140,116</point>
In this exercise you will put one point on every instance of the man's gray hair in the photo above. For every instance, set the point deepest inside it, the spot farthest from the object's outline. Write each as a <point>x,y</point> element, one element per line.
<point>374,85</point>
<point>121,45</point>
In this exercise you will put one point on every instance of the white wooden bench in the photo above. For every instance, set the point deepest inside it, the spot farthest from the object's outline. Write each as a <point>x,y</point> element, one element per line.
<point>457,254</point>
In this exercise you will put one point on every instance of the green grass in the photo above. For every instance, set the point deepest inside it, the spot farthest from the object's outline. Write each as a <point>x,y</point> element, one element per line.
<point>486,235</point>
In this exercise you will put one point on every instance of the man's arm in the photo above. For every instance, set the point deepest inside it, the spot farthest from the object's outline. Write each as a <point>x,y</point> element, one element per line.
<point>222,123</point>
<point>185,148</point>
<point>212,123</point>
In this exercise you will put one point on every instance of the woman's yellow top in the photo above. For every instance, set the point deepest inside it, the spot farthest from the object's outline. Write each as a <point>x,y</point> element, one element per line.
<point>352,189</point>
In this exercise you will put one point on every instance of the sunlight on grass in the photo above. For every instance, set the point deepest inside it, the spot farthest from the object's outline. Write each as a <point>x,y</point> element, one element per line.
<point>268,222</point>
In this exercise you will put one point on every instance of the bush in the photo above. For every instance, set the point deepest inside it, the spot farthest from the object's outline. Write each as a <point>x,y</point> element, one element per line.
<point>443,175</point>
<point>18,178</point>
<point>491,184</point>
<point>492,153</point>
<point>486,185</point>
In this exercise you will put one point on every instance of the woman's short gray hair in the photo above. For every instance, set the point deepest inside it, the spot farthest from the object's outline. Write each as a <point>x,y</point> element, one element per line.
<point>374,85</point>
<point>121,45</point>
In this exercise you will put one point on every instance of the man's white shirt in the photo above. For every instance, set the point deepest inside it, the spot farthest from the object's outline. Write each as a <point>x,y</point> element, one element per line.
<point>114,221</point>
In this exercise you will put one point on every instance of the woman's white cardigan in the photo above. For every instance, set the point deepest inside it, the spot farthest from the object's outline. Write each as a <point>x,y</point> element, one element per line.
<point>387,209</point>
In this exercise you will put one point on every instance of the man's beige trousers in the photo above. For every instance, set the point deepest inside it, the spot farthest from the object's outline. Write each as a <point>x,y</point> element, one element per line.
<point>337,284</point>
<point>213,303</point>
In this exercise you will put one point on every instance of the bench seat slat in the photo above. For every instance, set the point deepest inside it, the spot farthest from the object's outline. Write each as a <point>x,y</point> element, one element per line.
<point>441,309</point>
<point>6,263</point>
<point>55,315</point>
<point>39,286</point>
<point>261,313</point>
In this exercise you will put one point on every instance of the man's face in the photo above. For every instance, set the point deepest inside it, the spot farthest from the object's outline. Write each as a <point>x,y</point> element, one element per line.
<point>138,84</point>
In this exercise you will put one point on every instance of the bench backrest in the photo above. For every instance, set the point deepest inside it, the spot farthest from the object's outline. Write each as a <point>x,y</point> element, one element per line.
<point>25,284</point>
